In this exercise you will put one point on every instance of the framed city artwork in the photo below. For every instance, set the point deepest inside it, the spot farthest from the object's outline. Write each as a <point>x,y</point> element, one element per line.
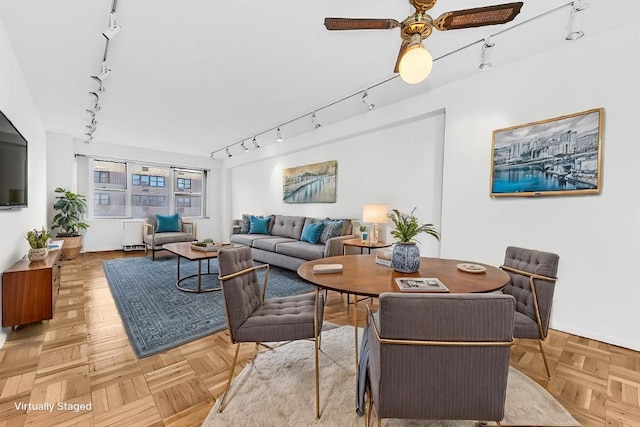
<point>312,183</point>
<point>557,156</point>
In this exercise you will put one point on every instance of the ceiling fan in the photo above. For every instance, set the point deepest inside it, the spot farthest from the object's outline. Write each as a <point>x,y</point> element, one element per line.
<point>414,62</point>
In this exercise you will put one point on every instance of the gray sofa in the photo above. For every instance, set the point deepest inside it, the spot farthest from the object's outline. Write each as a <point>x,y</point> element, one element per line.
<point>282,247</point>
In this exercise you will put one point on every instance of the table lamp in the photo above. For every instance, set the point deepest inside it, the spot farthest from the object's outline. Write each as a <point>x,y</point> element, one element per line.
<point>375,214</point>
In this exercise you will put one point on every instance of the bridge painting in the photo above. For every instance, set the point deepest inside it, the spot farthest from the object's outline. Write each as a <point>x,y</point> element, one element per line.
<point>551,157</point>
<point>313,183</point>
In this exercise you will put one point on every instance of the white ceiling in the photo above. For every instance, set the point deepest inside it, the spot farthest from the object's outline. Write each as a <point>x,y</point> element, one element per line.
<point>198,75</point>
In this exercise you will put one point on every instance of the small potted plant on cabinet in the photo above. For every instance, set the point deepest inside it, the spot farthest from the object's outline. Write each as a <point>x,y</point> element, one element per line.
<point>71,209</point>
<point>39,244</point>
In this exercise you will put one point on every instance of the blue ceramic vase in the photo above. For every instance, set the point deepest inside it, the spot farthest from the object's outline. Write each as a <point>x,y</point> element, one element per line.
<point>405,257</point>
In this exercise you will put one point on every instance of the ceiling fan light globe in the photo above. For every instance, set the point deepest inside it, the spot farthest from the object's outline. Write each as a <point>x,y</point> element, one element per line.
<point>416,64</point>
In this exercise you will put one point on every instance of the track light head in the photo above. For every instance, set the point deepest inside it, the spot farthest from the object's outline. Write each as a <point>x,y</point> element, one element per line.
<point>279,135</point>
<point>228,153</point>
<point>487,50</point>
<point>314,120</point>
<point>92,112</point>
<point>244,147</point>
<point>104,74</point>
<point>88,140</point>
<point>366,102</point>
<point>575,21</point>
<point>113,29</point>
<point>255,143</point>
<point>92,128</point>
<point>95,95</point>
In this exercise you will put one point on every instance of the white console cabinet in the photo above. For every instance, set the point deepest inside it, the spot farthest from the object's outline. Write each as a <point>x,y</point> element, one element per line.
<point>132,235</point>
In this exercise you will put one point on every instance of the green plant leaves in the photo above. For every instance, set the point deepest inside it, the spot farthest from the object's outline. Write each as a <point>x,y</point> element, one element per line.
<point>407,227</point>
<point>71,209</point>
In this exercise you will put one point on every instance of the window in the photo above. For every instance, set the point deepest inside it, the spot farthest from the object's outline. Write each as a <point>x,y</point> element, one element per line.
<point>103,177</point>
<point>101,199</point>
<point>183,202</point>
<point>110,189</point>
<point>157,181</point>
<point>153,190</point>
<point>184,184</point>
<point>188,194</point>
<point>150,196</point>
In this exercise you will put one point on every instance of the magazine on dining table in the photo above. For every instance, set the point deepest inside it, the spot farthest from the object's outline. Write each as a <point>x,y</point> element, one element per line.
<point>420,284</point>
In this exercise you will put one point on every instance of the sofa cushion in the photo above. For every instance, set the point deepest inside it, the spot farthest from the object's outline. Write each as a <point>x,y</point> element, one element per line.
<point>169,237</point>
<point>248,239</point>
<point>270,243</point>
<point>167,223</point>
<point>288,226</point>
<point>302,250</point>
<point>332,228</point>
<point>311,232</point>
<point>259,225</point>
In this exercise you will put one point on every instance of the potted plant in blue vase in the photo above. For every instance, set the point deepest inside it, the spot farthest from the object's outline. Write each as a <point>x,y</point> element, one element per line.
<point>406,254</point>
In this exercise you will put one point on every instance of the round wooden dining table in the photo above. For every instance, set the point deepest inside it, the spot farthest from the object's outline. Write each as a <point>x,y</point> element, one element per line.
<point>362,276</point>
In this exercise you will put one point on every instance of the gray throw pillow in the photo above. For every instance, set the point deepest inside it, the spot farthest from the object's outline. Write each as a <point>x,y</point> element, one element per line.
<point>332,228</point>
<point>246,224</point>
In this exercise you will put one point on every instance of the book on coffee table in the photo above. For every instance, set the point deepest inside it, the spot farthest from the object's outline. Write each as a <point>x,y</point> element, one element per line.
<point>420,284</point>
<point>327,268</point>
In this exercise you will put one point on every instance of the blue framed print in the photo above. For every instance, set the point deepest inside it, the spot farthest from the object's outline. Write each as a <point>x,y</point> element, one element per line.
<point>560,156</point>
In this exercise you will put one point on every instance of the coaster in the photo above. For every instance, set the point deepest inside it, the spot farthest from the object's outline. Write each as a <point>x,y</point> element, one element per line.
<point>471,268</point>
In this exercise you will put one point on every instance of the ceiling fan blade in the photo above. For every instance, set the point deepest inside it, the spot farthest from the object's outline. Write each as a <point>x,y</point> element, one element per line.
<point>478,17</point>
<point>360,24</point>
<point>403,49</point>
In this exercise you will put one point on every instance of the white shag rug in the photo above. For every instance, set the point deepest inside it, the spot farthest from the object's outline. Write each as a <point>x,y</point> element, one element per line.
<point>277,389</point>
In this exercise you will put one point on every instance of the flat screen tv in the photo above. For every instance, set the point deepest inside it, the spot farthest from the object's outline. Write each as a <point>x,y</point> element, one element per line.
<point>13,166</point>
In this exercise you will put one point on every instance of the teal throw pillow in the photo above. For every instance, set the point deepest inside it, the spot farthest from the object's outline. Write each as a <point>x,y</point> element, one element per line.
<point>311,232</point>
<point>167,223</point>
<point>332,228</point>
<point>259,225</point>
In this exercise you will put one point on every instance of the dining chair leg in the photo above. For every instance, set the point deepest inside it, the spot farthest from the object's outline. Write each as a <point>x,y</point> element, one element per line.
<point>315,344</point>
<point>544,357</point>
<point>369,401</point>
<point>233,366</point>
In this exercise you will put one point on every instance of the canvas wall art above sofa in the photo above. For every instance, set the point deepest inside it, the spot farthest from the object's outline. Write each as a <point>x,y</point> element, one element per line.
<point>289,241</point>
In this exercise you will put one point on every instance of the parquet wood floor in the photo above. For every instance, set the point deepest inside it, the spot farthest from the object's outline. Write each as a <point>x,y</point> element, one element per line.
<point>82,356</point>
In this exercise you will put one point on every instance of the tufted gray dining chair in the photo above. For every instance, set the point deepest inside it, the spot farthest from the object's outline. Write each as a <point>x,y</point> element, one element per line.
<point>252,318</point>
<point>439,356</point>
<point>533,278</point>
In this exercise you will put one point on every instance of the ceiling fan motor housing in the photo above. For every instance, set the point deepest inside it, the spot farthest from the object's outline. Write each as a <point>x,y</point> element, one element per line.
<point>423,5</point>
<point>417,23</point>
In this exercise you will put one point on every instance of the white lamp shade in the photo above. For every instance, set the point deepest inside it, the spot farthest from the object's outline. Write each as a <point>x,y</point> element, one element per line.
<point>416,64</point>
<point>375,214</point>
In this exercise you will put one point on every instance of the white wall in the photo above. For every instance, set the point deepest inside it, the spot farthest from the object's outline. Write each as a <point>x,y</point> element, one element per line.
<point>16,103</point>
<point>596,236</point>
<point>106,234</point>
<point>397,164</point>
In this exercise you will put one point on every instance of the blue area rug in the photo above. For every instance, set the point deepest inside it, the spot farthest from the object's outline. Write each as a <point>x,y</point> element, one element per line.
<point>158,317</point>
